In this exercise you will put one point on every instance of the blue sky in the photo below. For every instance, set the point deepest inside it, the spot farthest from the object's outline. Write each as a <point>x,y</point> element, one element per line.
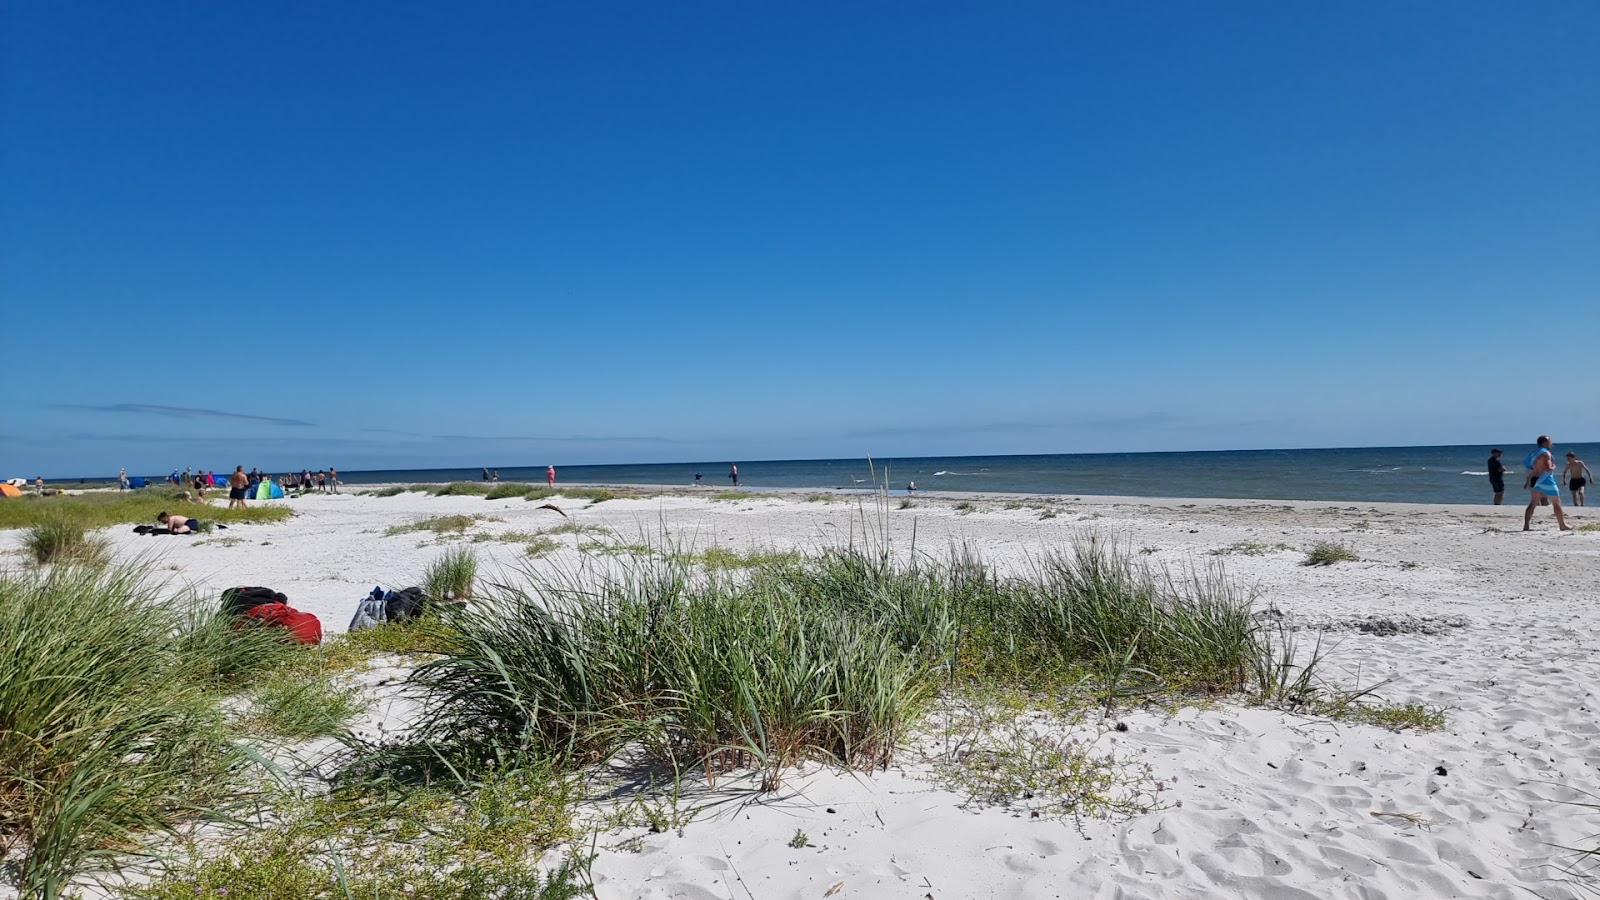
<point>402,234</point>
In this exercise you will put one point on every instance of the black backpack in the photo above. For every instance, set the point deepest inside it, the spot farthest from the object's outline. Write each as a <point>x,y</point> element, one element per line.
<point>402,606</point>
<point>236,600</point>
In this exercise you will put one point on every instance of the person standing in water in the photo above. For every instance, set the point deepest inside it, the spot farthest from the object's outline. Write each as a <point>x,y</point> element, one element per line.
<point>1542,467</point>
<point>1577,476</point>
<point>733,473</point>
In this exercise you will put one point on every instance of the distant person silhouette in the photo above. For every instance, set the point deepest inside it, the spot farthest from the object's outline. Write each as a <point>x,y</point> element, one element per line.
<point>1497,476</point>
<point>733,473</point>
<point>550,476</point>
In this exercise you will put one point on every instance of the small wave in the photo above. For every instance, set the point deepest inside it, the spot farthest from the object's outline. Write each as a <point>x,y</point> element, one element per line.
<point>941,473</point>
<point>1474,473</point>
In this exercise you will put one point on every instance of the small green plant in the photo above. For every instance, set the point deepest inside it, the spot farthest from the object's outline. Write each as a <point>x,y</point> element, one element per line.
<point>451,576</point>
<point>1048,514</point>
<point>822,498</point>
<point>1326,553</point>
<point>221,541</point>
<point>907,503</point>
<point>731,496</point>
<point>63,540</point>
<point>724,558</point>
<point>800,841</point>
<point>393,490</point>
<point>1393,716</point>
<point>964,507</point>
<point>1592,526</point>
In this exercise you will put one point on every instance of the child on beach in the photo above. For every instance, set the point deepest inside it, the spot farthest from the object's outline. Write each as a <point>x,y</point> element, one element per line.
<point>1577,476</point>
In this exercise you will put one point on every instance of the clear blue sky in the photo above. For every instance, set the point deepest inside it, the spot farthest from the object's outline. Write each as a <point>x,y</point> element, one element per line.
<point>396,234</point>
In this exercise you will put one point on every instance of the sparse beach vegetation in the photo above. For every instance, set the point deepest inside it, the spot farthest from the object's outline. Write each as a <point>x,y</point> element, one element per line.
<point>454,524</point>
<point>730,496</point>
<point>1326,553</point>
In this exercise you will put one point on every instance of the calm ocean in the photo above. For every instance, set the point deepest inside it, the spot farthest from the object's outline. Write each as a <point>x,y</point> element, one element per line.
<point>1396,474</point>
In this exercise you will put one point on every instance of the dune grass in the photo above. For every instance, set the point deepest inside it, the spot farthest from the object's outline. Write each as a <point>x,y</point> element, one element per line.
<point>452,575</point>
<point>731,496</point>
<point>102,508</point>
<point>113,730</point>
<point>65,540</point>
<point>831,657</point>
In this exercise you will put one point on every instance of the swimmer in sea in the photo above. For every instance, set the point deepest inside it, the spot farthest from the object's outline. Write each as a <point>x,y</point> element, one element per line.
<point>1543,469</point>
<point>1577,476</point>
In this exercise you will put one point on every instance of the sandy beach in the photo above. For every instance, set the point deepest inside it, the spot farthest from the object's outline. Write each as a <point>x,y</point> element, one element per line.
<point>1452,607</point>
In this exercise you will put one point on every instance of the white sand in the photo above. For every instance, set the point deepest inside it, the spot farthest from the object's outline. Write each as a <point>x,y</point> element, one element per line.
<point>1497,627</point>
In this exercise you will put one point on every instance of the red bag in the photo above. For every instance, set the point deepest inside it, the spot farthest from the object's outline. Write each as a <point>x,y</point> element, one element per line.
<point>306,628</point>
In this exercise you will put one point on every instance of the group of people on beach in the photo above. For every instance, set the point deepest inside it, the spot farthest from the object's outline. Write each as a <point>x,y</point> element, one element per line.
<point>1541,481</point>
<point>493,477</point>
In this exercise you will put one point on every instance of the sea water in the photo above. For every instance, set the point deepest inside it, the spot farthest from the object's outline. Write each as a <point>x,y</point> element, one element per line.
<point>1454,474</point>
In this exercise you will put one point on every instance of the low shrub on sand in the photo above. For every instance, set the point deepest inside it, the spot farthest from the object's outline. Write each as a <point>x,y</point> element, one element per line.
<point>64,540</point>
<point>458,524</point>
<point>1326,553</point>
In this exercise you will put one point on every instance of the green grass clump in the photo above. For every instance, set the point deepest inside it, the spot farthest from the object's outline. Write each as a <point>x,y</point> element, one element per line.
<point>732,495</point>
<point>964,507</point>
<point>907,503</point>
<point>394,490</point>
<point>65,540</point>
<point>1326,553</point>
<point>460,489</point>
<point>113,733</point>
<point>507,489</point>
<point>452,575</point>
<point>828,657</point>
<point>99,509</point>
<point>1592,526</point>
<point>822,498</point>
<point>437,524</point>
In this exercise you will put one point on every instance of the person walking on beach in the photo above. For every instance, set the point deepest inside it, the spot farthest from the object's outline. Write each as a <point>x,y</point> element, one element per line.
<point>122,479</point>
<point>1577,476</point>
<point>1497,476</point>
<point>238,483</point>
<point>550,476</point>
<point>733,473</point>
<point>1543,468</point>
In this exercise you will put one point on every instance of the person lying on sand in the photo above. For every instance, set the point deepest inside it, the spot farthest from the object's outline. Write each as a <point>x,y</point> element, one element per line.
<point>178,524</point>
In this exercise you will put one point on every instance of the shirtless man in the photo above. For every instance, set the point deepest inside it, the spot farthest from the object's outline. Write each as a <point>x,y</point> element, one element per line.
<point>238,484</point>
<point>1577,476</point>
<point>1543,474</point>
<point>178,524</point>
